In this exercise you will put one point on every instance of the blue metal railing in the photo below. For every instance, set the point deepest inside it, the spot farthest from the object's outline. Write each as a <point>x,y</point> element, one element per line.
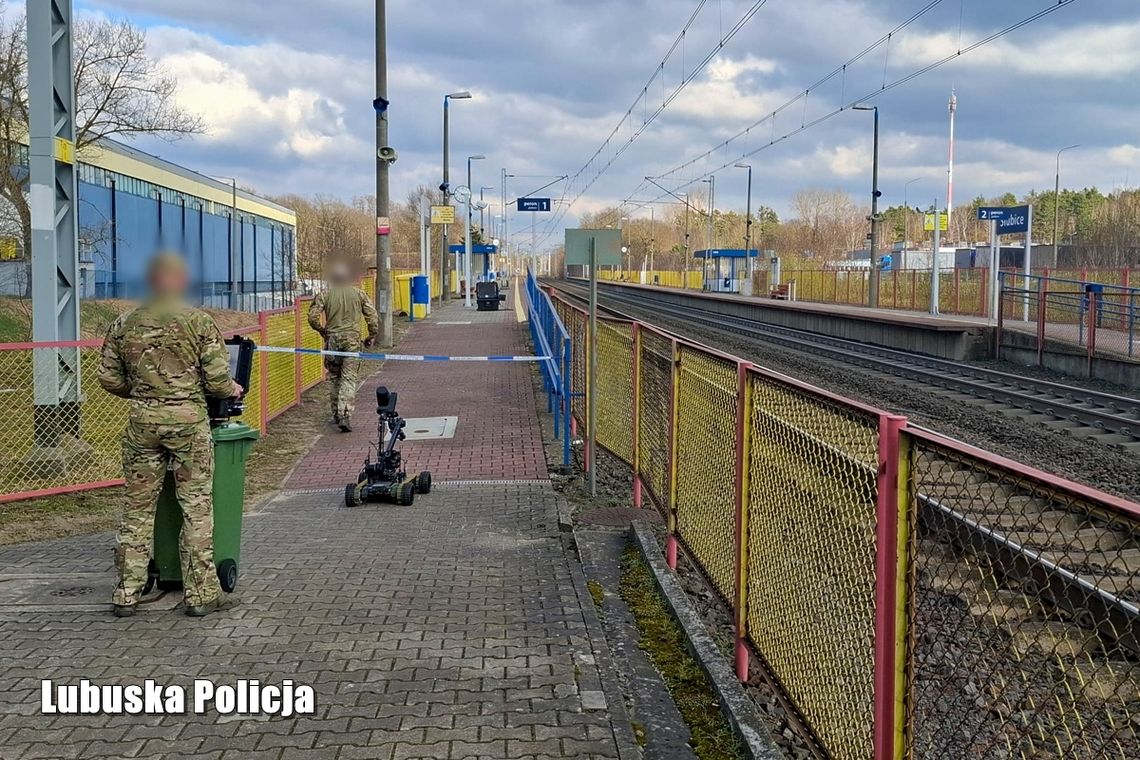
<point>553,340</point>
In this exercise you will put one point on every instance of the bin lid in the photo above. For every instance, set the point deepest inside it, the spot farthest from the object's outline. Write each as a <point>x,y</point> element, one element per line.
<point>235,431</point>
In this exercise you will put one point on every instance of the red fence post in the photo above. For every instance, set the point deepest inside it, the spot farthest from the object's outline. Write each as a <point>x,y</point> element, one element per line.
<point>263,365</point>
<point>298,375</point>
<point>671,445</point>
<point>1092,296</point>
<point>635,335</point>
<point>743,426</point>
<point>957,290</point>
<point>1042,308</point>
<point>913,289</point>
<point>889,563</point>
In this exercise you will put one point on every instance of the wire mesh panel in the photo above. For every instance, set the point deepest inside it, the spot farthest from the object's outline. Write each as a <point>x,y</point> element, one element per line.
<point>1026,636</point>
<point>706,463</point>
<point>655,415</point>
<point>56,446</point>
<point>253,394</point>
<point>811,557</point>
<point>575,323</point>
<point>615,388</point>
<point>312,367</point>
<point>280,330</point>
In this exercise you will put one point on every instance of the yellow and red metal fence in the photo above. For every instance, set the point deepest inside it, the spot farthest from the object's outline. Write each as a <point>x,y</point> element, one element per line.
<point>83,451</point>
<point>833,531</point>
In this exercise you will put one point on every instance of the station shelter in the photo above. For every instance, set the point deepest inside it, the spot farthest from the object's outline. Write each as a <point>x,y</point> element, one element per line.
<point>725,270</point>
<point>482,261</point>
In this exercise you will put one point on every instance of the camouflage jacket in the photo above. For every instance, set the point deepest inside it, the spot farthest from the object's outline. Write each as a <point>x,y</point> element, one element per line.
<point>343,308</point>
<point>166,358</point>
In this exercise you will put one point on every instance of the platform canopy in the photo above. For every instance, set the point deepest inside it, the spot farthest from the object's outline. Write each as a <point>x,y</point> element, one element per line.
<point>481,248</point>
<point>726,253</point>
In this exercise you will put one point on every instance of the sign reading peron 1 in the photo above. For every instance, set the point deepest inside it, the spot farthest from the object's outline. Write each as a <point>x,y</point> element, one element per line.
<point>533,204</point>
<point>1010,219</point>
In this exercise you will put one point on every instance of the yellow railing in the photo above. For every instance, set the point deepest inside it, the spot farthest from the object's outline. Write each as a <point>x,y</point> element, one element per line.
<point>87,452</point>
<point>911,596</point>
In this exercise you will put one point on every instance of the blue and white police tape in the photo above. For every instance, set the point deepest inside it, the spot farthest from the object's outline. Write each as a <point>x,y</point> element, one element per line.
<point>398,357</point>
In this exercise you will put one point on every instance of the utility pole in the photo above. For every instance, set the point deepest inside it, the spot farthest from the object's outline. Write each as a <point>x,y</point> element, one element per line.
<point>384,156</point>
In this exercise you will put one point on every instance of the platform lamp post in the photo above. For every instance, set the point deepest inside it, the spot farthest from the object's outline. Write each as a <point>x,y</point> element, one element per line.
<point>470,214</point>
<point>482,216</point>
<point>445,254</point>
<point>873,290</point>
<point>906,212</point>
<point>1057,202</point>
<point>748,228</point>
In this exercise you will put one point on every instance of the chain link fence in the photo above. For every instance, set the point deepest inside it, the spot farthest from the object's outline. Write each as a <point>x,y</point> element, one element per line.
<point>75,444</point>
<point>1024,607</point>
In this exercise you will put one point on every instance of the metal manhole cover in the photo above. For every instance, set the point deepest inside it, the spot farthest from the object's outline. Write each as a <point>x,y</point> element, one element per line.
<point>72,591</point>
<point>32,592</point>
<point>430,428</point>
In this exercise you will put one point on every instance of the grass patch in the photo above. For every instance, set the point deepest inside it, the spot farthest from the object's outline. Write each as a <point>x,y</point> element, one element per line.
<point>664,641</point>
<point>95,317</point>
<point>596,592</point>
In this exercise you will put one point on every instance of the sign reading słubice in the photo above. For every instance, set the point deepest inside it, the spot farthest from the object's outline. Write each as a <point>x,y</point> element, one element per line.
<point>1010,219</point>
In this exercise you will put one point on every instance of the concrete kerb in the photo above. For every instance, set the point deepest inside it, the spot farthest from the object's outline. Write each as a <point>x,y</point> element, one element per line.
<point>738,707</point>
<point>628,748</point>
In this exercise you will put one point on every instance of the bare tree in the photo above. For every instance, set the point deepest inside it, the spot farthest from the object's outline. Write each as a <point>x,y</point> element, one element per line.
<point>120,92</point>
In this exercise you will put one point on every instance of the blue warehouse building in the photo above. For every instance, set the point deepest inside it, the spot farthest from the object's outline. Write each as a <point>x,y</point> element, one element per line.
<point>132,203</point>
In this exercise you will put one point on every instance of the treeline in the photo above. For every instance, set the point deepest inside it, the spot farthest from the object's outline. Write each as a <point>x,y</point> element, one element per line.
<point>1095,229</point>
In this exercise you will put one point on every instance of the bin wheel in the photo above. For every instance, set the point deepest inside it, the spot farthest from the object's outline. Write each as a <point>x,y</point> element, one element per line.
<point>151,577</point>
<point>351,495</point>
<point>227,575</point>
<point>407,494</point>
<point>423,482</point>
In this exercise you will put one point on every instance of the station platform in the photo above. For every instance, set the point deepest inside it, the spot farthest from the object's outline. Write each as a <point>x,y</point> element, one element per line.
<point>459,627</point>
<point>948,337</point>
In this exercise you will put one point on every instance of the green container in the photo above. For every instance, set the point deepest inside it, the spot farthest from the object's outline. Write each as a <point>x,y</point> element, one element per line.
<point>232,443</point>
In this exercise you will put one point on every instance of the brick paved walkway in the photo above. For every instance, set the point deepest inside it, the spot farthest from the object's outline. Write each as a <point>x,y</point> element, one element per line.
<point>497,437</point>
<point>450,629</point>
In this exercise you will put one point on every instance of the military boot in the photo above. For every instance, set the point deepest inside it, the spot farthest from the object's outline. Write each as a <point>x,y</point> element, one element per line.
<point>223,602</point>
<point>345,424</point>
<point>123,610</point>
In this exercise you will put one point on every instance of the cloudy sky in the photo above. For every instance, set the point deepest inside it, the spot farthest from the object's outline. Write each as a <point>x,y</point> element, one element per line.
<point>286,89</point>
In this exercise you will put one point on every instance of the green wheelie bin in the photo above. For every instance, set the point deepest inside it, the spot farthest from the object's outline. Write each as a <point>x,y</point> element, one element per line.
<point>232,444</point>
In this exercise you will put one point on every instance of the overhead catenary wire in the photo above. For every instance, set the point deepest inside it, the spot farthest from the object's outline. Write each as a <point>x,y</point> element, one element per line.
<point>648,117</point>
<point>1056,5</point>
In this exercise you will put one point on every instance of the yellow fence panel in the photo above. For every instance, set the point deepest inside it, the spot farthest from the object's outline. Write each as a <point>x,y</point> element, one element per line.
<point>811,557</point>
<point>76,443</point>
<point>706,463</point>
<point>1023,603</point>
<point>655,370</point>
<point>615,388</point>
<point>280,330</point>
<point>312,367</point>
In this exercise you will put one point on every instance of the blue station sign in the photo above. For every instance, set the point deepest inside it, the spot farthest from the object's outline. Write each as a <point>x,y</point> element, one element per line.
<point>1010,219</point>
<point>533,204</point>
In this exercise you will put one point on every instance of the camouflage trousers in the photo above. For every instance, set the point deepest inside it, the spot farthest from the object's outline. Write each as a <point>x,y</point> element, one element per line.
<point>149,450</point>
<point>343,374</point>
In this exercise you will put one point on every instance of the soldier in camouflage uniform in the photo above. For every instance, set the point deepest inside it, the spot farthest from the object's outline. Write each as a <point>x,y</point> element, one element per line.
<point>166,357</point>
<point>343,306</point>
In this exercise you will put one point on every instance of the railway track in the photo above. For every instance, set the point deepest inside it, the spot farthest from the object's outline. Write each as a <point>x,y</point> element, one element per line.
<point>1022,592</point>
<point>1104,417</point>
